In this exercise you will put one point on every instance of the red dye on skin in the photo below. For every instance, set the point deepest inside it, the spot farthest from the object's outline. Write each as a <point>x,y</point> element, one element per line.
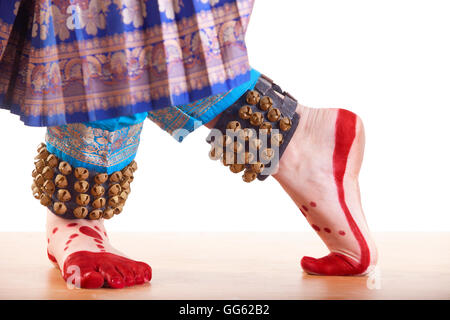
<point>342,233</point>
<point>305,208</point>
<point>66,248</point>
<point>96,270</point>
<point>327,230</point>
<point>72,224</point>
<point>51,257</point>
<point>73,236</point>
<point>303,212</point>
<point>100,246</point>
<point>54,230</point>
<point>98,241</point>
<point>48,240</point>
<point>315,227</point>
<point>90,232</point>
<point>313,204</point>
<point>68,241</point>
<point>335,263</point>
<point>96,227</point>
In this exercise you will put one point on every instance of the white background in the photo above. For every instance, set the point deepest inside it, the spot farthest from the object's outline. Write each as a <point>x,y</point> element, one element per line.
<point>388,61</point>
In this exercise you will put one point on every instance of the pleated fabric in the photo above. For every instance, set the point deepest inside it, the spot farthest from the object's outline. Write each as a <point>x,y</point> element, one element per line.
<point>71,61</point>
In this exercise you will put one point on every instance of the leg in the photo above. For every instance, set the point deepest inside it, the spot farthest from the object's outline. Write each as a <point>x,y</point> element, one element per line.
<point>319,170</point>
<point>77,240</point>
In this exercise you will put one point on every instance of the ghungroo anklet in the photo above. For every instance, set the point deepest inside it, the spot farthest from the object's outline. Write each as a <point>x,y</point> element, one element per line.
<point>77,193</point>
<point>253,133</point>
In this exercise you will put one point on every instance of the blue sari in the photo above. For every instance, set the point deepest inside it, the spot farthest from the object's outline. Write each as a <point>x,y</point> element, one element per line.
<point>72,61</point>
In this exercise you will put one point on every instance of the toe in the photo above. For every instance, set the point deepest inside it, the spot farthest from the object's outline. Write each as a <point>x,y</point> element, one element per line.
<point>142,272</point>
<point>113,278</point>
<point>127,274</point>
<point>334,264</point>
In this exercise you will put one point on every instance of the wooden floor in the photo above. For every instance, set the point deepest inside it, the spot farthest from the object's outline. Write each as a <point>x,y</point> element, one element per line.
<point>236,266</point>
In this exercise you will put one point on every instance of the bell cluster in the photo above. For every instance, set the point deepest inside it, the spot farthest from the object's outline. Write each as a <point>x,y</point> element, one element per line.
<point>77,192</point>
<point>241,148</point>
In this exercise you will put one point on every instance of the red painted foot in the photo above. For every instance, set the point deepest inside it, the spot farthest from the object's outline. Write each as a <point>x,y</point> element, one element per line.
<point>334,264</point>
<point>102,268</point>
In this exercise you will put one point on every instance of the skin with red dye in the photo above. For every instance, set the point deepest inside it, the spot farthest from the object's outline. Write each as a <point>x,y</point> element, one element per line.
<point>90,232</point>
<point>305,208</point>
<point>313,204</point>
<point>66,248</point>
<point>336,263</point>
<point>327,230</point>
<point>98,241</point>
<point>72,224</point>
<point>51,257</point>
<point>315,227</point>
<point>95,270</point>
<point>73,236</point>
<point>68,241</point>
<point>100,246</point>
<point>54,230</point>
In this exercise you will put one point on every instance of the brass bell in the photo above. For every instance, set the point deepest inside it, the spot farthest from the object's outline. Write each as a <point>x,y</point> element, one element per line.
<point>123,196</point>
<point>83,199</point>
<point>101,178</point>
<point>116,176</point>
<point>233,126</point>
<point>267,154</point>
<point>114,190</point>
<point>237,147</point>
<point>45,200</point>
<point>249,175</point>
<point>61,181</point>
<point>266,128</point>
<point>42,154</point>
<point>125,184</point>
<point>34,173</point>
<point>236,168</point>
<point>257,167</point>
<point>256,119</point>
<point>108,213</point>
<point>97,190</point>
<point>80,212</point>
<point>256,144</point>
<point>49,187</point>
<point>63,195</point>
<point>127,172</point>
<point>246,134</point>
<point>246,157</point>
<point>41,146</point>
<point>133,165</point>
<point>36,193</point>
<point>252,97</point>
<point>215,153</point>
<point>39,180</point>
<point>118,209</point>
<point>47,173</point>
<point>265,103</point>
<point>274,114</point>
<point>114,201</point>
<point>276,140</point>
<point>81,186</point>
<point>81,173</point>
<point>95,214</point>
<point>52,161</point>
<point>59,208</point>
<point>285,124</point>
<point>39,165</point>
<point>65,168</point>
<point>245,112</point>
<point>99,203</point>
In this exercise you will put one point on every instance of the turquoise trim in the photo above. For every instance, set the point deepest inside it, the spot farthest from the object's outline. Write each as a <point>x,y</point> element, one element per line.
<point>119,122</point>
<point>77,163</point>
<point>231,97</point>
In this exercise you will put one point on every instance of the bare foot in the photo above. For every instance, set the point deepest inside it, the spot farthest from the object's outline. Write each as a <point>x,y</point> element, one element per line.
<point>319,170</point>
<point>83,245</point>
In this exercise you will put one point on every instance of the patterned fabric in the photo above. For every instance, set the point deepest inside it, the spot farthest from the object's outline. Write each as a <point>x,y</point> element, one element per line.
<point>179,121</point>
<point>89,146</point>
<point>67,61</point>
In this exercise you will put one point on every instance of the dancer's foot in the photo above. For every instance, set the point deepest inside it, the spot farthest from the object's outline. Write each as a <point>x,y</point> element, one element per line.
<point>82,246</point>
<point>319,170</point>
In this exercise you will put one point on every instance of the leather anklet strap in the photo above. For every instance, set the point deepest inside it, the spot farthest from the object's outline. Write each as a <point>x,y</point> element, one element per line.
<point>77,193</point>
<point>253,133</point>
